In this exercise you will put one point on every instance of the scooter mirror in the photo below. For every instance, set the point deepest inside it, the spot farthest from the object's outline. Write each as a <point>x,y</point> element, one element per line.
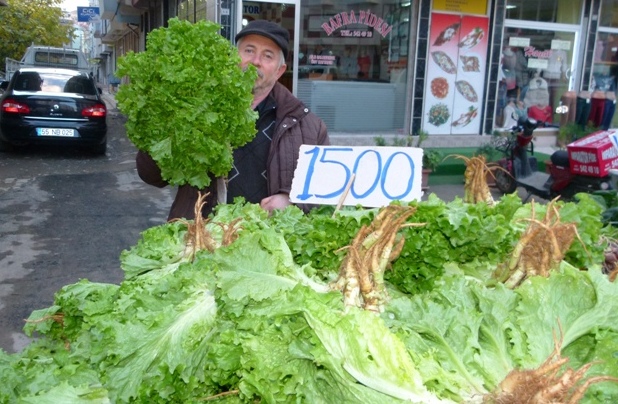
<point>529,126</point>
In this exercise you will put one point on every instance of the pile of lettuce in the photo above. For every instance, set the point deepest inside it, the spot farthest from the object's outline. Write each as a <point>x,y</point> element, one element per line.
<point>255,321</point>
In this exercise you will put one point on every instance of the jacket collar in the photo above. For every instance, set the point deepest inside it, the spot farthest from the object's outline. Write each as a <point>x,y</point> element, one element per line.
<point>287,104</point>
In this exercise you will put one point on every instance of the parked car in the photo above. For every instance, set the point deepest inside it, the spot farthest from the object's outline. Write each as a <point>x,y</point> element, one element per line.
<point>53,106</point>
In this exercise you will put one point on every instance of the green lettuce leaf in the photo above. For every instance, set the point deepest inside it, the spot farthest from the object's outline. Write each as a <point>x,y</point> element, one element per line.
<point>188,102</point>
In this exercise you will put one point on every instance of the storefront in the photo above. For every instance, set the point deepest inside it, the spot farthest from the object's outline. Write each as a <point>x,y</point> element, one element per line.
<point>449,67</point>
<point>539,63</point>
<point>605,62</point>
<point>350,61</point>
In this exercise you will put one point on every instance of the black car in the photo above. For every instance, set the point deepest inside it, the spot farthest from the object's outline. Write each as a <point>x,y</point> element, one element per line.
<point>53,106</point>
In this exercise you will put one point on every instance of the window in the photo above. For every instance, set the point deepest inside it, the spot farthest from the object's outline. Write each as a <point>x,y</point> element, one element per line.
<point>561,11</point>
<point>536,69</point>
<point>54,58</point>
<point>352,64</point>
<point>55,83</point>
<point>608,17</point>
<point>192,10</point>
<point>605,66</point>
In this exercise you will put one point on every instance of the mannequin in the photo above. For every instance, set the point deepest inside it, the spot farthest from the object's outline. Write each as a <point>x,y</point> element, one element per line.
<point>537,100</point>
<point>538,93</point>
<point>569,100</point>
<point>609,110</point>
<point>597,107</point>
<point>582,111</point>
<point>555,73</point>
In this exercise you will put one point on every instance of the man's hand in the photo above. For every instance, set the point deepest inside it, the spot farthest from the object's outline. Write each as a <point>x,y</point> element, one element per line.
<point>277,201</point>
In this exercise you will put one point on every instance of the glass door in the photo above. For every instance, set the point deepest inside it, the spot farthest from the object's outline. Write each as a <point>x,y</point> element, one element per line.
<point>538,69</point>
<point>284,13</point>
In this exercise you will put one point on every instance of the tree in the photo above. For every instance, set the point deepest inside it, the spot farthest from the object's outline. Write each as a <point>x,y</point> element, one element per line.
<point>25,22</point>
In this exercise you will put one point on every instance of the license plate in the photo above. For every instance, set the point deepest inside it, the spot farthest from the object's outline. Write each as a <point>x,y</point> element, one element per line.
<point>55,132</point>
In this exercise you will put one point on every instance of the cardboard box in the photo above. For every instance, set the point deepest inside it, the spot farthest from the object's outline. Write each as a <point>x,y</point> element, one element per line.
<point>593,155</point>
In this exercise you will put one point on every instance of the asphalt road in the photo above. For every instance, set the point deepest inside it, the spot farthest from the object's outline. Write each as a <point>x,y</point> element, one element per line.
<point>66,215</point>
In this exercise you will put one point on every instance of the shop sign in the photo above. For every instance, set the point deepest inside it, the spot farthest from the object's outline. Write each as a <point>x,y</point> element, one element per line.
<point>351,176</point>
<point>251,8</point>
<point>461,6</point>
<point>455,78</point>
<point>367,18</point>
<point>88,14</point>
<point>532,52</point>
<point>326,60</point>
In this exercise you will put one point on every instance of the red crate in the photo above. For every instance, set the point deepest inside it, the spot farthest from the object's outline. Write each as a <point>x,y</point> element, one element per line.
<point>593,155</point>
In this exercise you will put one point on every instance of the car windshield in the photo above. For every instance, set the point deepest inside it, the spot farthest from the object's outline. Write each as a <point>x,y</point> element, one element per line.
<point>53,82</point>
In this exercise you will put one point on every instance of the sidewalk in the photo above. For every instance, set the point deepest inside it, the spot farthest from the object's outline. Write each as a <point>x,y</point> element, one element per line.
<point>110,100</point>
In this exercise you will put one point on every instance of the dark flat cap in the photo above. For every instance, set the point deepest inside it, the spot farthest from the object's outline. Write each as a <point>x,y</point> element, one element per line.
<point>270,30</point>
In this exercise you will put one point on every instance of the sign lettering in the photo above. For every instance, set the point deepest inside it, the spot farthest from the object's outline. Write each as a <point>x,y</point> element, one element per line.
<point>367,18</point>
<point>88,14</point>
<point>367,176</point>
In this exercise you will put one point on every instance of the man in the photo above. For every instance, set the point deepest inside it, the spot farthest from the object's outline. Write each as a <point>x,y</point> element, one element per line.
<point>263,168</point>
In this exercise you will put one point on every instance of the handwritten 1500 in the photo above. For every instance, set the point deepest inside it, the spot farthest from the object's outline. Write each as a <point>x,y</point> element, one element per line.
<point>367,176</point>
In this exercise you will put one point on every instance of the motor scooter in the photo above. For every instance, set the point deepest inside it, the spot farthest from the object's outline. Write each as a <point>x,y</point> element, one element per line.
<point>520,168</point>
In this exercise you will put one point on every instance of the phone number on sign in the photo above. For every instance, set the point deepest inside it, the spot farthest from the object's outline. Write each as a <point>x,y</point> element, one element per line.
<point>356,33</point>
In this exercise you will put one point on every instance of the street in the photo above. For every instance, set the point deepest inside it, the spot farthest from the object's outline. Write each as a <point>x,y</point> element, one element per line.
<point>66,215</point>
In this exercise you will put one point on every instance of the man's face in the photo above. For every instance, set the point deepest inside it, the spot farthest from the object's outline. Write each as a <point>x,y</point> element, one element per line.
<point>265,55</point>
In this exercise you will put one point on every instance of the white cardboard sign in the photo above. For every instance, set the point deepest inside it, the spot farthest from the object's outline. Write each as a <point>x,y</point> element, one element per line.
<point>357,175</point>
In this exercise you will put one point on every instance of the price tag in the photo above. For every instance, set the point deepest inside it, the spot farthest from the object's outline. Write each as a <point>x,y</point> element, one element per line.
<point>366,176</point>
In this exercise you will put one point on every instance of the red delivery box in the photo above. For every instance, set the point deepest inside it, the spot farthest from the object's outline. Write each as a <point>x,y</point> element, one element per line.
<point>593,155</point>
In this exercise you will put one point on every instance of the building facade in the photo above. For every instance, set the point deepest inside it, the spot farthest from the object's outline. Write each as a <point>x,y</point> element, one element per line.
<point>448,67</point>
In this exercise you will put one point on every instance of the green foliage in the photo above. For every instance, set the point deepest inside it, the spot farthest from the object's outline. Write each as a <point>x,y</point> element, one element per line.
<point>572,131</point>
<point>488,149</point>
<point>23,23</point>
<point>188,102</point>
<point>379,140</point>
<point>431,157</point>
<point>608,203</point>
<point>251,318</point>
<point>249,323</point>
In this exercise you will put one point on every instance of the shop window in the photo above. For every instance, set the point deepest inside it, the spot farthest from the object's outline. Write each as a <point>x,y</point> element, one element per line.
<point>534,76</point>
<point>608,17</point>
<point>352,64</point>
<point>560,11</point>
<point>192,10</point>
<point>604,79</point>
